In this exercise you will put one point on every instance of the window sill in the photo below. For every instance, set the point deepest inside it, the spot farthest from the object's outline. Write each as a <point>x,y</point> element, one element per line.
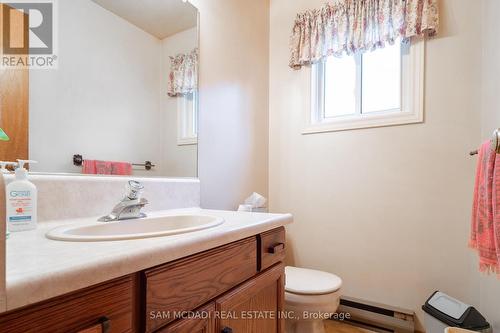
<point>359,122</point>
<point>187,141</point>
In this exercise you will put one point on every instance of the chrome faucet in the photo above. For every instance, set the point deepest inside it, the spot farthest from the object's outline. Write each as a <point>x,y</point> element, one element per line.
<point>130,206</point>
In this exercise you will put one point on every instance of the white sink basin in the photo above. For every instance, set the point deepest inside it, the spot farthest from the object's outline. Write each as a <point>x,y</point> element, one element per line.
<point>134,229</point>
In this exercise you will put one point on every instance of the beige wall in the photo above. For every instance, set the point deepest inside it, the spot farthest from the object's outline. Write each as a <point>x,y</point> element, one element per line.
<point>387,209</point>
<point>491,67</point>
<point>490,285</point>
<point>233,146</point>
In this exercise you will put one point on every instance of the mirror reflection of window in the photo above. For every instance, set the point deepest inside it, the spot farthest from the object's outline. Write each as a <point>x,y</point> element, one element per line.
<point>187,119</point>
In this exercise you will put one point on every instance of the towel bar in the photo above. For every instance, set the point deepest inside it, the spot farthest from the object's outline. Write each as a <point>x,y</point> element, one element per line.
<point>78,161</point>
<point>495,142</point>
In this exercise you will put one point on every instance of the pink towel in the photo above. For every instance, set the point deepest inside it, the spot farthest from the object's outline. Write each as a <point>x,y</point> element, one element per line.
<point>496,208</point>
<point>485,229</point>
<point>93,167</point>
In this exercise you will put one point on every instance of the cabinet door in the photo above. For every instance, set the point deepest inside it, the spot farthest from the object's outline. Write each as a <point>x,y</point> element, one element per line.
<point>255,306</point>
<point>14,92</point>
<point>201,321</point>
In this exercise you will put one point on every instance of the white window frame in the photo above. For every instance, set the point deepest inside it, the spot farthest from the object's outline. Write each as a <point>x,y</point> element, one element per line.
<point>412,99</point>
<point>187,121</point>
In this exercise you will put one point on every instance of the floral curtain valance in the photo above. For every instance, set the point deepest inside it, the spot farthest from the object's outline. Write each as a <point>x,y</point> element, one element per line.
<point>350,26</point>
<point>183,77</point>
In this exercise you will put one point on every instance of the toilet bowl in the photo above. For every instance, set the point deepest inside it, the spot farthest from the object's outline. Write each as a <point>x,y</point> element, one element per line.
<point>311,296</point>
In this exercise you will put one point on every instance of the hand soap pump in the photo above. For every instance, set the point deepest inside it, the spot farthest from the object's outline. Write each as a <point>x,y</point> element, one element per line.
<point>21,200</point>
<point>4,165</point>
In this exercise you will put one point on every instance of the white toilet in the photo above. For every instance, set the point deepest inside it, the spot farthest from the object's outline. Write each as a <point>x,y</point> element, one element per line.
<point>310,297</point>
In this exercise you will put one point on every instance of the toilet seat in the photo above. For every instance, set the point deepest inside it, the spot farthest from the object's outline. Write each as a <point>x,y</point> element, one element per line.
<point>304,281</point>
<point>310,296</point>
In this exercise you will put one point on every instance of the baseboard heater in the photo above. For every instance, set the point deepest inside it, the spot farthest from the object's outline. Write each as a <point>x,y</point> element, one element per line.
<point>377,317</point>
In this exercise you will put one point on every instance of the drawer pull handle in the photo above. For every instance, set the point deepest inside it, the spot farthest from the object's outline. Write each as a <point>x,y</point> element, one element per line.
<point>104,326</point>
<point>227,330</point>
<point>276,248</point>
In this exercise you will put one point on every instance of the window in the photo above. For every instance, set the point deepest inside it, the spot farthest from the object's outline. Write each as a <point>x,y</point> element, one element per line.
<point>187,119</point>
<point>379,88</point>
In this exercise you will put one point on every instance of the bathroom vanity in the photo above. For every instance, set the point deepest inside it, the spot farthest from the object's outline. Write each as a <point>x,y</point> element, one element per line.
<point>237,286</point>
<point>137,118</point>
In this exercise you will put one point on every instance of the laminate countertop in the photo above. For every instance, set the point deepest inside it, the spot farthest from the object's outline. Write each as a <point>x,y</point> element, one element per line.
<point>38,268</point>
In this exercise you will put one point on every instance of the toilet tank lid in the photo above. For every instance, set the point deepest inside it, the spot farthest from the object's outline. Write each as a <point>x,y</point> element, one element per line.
<point>310,282</point>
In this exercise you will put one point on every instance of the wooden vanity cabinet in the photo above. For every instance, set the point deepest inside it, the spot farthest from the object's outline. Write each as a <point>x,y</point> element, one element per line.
<point>200,321</point>
<point>235,288</point>
<point>271,248</point>
<point>105,308</point>
<point>188,283</point>
<point>255,306</point>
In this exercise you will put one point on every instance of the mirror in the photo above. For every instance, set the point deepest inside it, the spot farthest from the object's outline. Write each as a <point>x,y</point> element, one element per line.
<point>122,98</point>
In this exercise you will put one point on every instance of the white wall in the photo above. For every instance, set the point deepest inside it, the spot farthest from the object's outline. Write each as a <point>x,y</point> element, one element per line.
<point>491,67</point>
<point>103,102</point>
<point>178,161</point>
<point>490,285</point>
<point>387,209</point>
<point>233,146</point>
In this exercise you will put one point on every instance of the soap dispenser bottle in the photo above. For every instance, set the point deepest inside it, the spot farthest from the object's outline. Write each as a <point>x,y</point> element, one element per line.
<point>21,200</point>
<point>4,171</point>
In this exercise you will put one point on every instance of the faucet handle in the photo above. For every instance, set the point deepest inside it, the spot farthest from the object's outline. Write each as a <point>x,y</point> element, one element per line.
<point>133,189</point>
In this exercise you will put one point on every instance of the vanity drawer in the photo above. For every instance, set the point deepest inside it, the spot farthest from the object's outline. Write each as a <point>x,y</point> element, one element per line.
<point>271,248</point>
<point>186,284</point>
<point>201,321</point>
<point>92,310</point>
